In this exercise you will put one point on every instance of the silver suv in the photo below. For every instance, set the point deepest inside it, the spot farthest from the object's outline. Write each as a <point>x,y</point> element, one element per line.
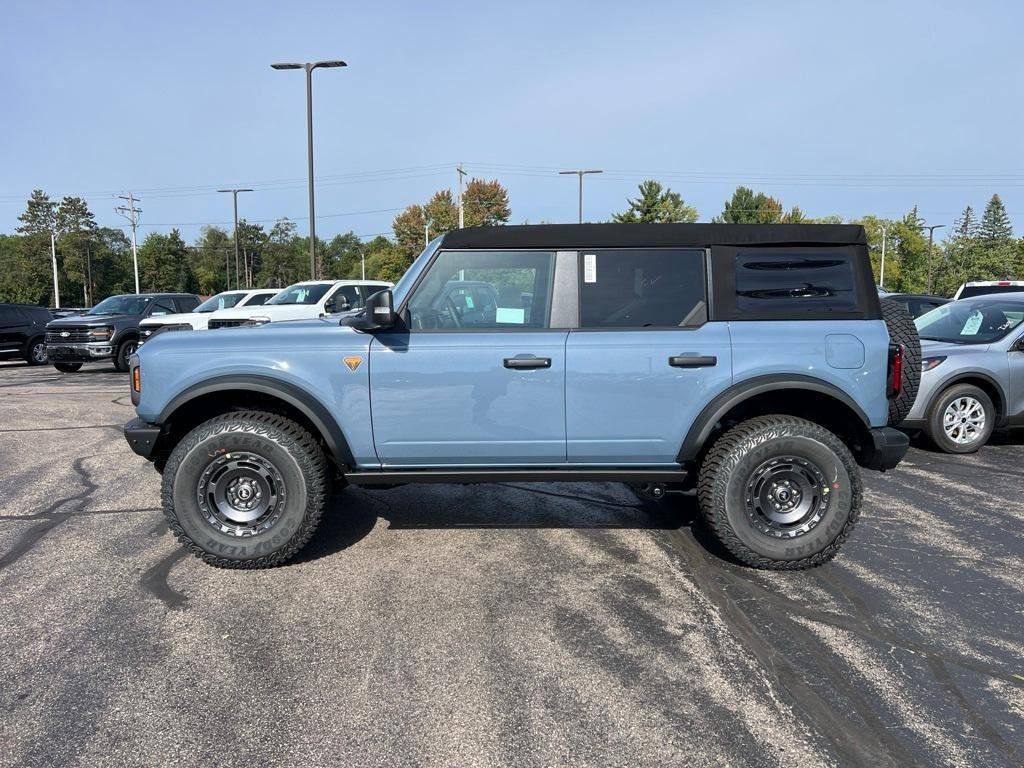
<point>972,371</point>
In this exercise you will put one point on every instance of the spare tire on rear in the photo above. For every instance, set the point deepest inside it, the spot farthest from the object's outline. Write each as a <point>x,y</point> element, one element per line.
<point>902,331</point>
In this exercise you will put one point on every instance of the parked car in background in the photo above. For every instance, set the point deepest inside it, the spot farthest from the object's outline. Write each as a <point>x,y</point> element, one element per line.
<point>197,319</point>
<point>917,304</point>
<point>972,371</point>
<point>753,364</point>
<point>988,287</point>
<point>23,332</point>
<point>110,330</point>
<point>309,299</point>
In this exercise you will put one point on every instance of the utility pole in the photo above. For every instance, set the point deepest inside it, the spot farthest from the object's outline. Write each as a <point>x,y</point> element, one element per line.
<point>931,235</point>
<point>234,197</point>
<point>88,273</point>
<point>131,213</point>
<point>309,67</point>
<point>53,256</point>
<point>462,219</point>
<point>580,172</point>
<point>881,271</point>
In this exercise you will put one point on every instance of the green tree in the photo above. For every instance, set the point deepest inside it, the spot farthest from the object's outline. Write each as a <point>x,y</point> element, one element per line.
<point>76,226</point>
<point>40,216</point>
<point>748,207</point>
<point>210,256</point>
<point>910,252</point>
<point>164,263</point>
<point>656,205</point>
<point>343,256</point>
<point>251,242</point>
<point>998,251</point>
<point>284,260</point>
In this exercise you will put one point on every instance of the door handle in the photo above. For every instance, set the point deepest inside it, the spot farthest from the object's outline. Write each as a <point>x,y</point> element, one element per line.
<point>692,361</point>
<point>524,363</point>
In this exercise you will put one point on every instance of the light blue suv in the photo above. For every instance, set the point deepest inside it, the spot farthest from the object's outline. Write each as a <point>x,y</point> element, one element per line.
<point>753,364</point>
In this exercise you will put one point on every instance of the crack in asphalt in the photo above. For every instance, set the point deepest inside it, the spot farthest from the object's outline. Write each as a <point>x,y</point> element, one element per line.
<point>28,540</point>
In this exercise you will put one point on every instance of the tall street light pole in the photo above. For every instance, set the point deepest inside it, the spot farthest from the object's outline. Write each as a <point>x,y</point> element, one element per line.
<point>881,271</point>
<point>234,196</point>
<point>931,236</point>
<point>581,172</point>
<point>309,67</point>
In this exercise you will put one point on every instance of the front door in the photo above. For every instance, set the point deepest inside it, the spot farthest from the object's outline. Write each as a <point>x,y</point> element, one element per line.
<point>476,375</point>
<point>644,361</point>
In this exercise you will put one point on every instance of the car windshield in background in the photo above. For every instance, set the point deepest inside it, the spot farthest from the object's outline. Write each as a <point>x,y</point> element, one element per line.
<point>971,322</point>
<point>300,294</point>
<point>220,301</point>
<point>971,291</point>
<point>121,305</point>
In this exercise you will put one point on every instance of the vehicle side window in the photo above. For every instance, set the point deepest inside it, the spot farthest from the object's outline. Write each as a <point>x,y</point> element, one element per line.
<point>258,300</point>
<point>795,282</point>
<point>484,290</point>
<point>351,295</point>
<point>642,288</point>
<point>185,303</point>
<point>162,307</point>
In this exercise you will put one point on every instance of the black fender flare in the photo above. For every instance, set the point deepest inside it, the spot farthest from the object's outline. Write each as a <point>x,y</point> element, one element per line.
<point>295,396</point>
<point>725,401</point>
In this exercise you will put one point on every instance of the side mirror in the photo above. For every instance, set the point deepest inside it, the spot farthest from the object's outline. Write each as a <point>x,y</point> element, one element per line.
<point>379,313</point>
<point>337,303</point>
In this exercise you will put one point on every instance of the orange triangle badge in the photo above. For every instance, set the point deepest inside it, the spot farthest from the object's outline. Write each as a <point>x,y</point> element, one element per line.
<point>352,362</point>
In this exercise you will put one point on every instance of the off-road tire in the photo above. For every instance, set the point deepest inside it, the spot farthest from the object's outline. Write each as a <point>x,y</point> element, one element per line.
<point>32,356</point>
<point>294,452</point>
<point>124,352</point>
<point>723,486</point>
<point>934,427</point>
<point>67,367</point>
<point>903,331</point>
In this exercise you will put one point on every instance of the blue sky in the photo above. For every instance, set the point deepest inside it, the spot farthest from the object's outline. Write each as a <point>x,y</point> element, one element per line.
<point>844,108</point>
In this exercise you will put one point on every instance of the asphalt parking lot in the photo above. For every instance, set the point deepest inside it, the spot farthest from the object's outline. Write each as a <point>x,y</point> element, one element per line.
<point>494,625</point>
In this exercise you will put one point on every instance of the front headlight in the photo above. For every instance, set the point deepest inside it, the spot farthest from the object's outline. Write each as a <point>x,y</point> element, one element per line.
<point>101,334</point>
<point>258,320</point>
<point>931,362</point>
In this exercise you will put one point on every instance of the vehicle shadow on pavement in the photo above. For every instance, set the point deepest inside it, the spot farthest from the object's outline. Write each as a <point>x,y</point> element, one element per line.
<point>352,513</point>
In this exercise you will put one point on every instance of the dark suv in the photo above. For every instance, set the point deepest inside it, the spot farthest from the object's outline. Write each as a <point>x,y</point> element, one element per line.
<point>22,332</point>
<point>110,330</point>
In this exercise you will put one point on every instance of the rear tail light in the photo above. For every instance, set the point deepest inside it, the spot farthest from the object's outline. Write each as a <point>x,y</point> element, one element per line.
<point>895,369</point>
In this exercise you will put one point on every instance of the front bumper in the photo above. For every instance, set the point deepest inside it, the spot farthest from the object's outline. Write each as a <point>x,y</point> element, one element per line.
<point>887,448</point>
<point>142,436</point>
<point>79,353</point>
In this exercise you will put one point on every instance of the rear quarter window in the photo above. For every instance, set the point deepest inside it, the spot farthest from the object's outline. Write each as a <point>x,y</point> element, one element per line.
<point>803,283</point>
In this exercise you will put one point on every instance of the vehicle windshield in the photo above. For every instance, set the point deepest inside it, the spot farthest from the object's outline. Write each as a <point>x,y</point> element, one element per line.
<point>969,291</point>
<point>121,305</point>
<point>300,294</point>
<point>970,322</point>
<point>220,301</point>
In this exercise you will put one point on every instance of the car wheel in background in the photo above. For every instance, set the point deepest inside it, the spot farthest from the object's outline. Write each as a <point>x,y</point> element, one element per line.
<point>961,419</point>
<point>36,354</point>
<point>124,353</point>
<point>67,367</point>
<point>780,492</point>
<point>903,331</point>
<point>245,490</point>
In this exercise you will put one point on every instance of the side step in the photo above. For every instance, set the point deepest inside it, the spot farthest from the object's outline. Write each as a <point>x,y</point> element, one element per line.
<point>520,475</point>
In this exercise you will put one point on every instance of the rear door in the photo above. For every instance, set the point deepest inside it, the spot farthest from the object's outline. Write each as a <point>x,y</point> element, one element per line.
<point>477,374</point>
<point>12,327</point>
<point>644,360</point>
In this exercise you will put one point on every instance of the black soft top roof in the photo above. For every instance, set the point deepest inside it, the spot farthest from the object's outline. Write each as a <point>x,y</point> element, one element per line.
<point>571,236</point>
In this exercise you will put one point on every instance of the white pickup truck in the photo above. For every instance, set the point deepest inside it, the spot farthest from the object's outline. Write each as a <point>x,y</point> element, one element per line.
<point>310,299</point>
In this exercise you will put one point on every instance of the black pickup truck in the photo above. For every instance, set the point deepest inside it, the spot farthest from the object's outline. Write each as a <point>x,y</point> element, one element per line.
<point>110,330</point>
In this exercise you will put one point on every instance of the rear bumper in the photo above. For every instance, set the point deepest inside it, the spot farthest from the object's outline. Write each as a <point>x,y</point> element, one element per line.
<point>79,353</point>
<point>887,448</point>
<point>142,437</point>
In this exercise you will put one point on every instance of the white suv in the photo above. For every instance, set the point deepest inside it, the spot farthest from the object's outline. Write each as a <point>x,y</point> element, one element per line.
<point>310,299</point>
<point>197,319</point>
